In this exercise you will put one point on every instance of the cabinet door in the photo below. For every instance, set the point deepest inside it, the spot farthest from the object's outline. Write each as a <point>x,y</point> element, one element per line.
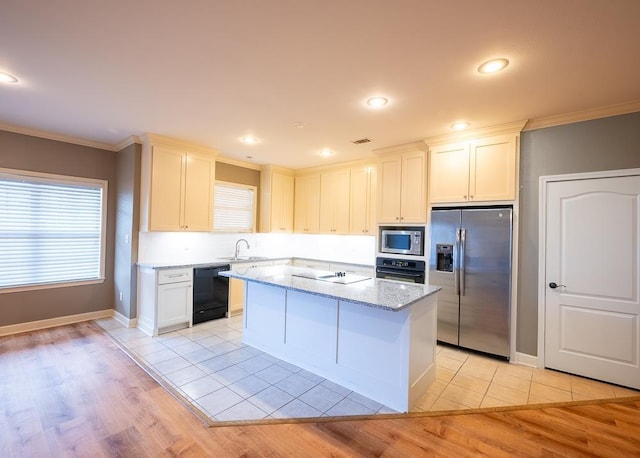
<point>360,219</point>
<point>167,190</point>
<point>175,304</point>
<point>334,202</point>
<point>198,198</point>
<point>493,169</point>
<point>389,187</point>
<point>413,195</point>
<point>281,203</point>
<point>307,204</point>
<point>449,173</point>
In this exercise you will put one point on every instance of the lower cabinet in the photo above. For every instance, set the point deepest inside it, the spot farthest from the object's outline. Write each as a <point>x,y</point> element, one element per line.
<point>165,299</point>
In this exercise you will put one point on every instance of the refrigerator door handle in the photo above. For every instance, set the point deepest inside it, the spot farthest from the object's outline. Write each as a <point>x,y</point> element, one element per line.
<point>456,264</point>
<point>463,248</point>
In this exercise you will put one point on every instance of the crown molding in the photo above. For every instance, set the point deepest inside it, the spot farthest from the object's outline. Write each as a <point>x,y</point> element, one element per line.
<point>239,163</point>
<point>509,128</point>
<point>132,139</point>
<point>584,115</point>
<point>56,137</point>
<point>367,161</point>
<point>412,146</point>
<point>151,138</point>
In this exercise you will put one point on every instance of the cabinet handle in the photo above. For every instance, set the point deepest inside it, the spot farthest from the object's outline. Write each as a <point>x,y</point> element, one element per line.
<point>464,197</point>
<point>470,197</point>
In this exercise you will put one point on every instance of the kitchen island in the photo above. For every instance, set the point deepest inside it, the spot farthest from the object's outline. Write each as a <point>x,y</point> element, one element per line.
<point>376,337</point>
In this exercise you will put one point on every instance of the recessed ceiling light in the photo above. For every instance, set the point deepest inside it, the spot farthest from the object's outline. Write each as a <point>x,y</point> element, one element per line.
<point>377,102</point>
<point>493,65</point>
<point>460,125</point>
<point>326,153</point>
<point>6,78</point>
<point>249,140</point>
<point>298,125</point>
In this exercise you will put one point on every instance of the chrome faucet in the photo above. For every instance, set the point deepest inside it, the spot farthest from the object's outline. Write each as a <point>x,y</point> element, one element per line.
<point>238,247</point>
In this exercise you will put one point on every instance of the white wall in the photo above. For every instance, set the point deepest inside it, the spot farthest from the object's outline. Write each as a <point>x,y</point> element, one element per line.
<point>202,247</point>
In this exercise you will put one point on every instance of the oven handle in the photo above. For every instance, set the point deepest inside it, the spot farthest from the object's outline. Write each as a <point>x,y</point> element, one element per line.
<point>399,274</point>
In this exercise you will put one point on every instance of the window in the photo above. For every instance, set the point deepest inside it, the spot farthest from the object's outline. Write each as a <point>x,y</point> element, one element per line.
<point>234,207</point>
<point>52,229</point>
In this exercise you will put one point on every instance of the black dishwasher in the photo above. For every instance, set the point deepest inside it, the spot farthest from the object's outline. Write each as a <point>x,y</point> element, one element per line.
<point>210,293</point>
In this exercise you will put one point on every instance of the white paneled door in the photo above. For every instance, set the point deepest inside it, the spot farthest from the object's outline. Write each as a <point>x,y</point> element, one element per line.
<point>592,278</point>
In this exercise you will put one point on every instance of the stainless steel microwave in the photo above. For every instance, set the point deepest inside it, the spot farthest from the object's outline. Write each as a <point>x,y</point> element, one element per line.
<point>402,240</point>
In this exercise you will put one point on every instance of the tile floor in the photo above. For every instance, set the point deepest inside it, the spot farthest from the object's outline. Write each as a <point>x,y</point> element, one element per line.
<point>229,381</point>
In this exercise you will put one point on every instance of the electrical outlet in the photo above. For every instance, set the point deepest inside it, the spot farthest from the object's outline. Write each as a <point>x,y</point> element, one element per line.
<point>120,296</point>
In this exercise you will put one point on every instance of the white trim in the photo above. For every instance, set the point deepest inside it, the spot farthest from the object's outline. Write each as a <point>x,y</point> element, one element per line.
<point>489,131</point>
<point>56,137</point>
<point>239,163</point>
<point>542,240</point>
<point>584,115</point>
<point>123,320</point>
<point>54,322</point>
<point>126,142</point>
<point>525,360</point>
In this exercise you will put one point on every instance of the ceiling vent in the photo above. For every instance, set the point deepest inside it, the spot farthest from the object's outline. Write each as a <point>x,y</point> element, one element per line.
<point>361,141</point>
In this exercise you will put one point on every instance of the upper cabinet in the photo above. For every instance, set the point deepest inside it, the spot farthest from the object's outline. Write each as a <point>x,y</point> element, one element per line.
<point>479,169</point>
<point>335,190</point>
<point>402,195</point>
<point>276,203</point>
<point>307,204</point>
<point>362,185</point>
<point>176,186</point>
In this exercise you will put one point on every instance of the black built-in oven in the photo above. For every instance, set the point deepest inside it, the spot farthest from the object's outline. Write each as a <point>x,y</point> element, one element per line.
<point>400,270</point>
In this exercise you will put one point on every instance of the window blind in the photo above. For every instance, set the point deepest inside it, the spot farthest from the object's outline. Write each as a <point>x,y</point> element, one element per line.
<point>51,231</point>
<point>234,207</point>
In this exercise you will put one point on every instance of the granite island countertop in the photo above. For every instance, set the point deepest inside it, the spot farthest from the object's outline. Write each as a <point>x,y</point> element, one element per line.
<point>373,292</point>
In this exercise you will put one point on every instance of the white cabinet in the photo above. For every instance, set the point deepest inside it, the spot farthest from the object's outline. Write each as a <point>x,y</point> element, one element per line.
<point>335,189</point>
<point>402,196</point>
<point>307,204</point>
<point>165,299</point>
<point>361,196</point>
<point>176,186</point>
<point>477,170</point>
<point>276,203</point>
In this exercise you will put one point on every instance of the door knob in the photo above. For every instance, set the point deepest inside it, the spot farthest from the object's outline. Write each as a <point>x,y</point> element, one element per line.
<point>554,285</point>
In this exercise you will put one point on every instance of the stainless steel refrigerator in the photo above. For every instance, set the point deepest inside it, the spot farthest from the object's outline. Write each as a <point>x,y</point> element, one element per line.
<point>470,258</point>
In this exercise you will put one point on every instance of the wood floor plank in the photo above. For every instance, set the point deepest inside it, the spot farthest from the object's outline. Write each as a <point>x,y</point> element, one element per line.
<point>70,391</point>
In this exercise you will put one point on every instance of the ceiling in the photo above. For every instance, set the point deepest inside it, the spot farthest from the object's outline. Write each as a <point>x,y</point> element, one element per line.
<point>213,71</point>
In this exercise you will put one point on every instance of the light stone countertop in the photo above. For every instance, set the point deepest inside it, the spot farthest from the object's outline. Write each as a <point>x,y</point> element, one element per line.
<point>213,262</point>
<point>374,292</point>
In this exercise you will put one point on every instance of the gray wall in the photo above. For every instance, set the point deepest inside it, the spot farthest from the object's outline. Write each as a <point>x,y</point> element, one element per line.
<point>127,224</point>
<point>37,154</point>
<point>602,144</point>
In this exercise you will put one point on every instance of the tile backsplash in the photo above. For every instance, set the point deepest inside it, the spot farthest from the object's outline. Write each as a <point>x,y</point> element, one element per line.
<point>201,247</point>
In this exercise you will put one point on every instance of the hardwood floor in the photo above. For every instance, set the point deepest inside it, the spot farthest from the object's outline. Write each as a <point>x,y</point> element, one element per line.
<point>70,391</point>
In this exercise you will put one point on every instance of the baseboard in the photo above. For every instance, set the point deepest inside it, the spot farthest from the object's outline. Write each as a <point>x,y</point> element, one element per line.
<point>123,320</point>
<point>526,360</point>
<point>53,322</point>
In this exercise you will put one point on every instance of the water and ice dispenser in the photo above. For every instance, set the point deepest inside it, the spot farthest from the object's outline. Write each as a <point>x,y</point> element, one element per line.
<point>444,257</point>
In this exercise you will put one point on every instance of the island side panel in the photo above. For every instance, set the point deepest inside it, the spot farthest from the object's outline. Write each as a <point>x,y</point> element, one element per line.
<point>311,329</point>
<point>373,353</point>
<point>264,317</point>
<point>422,347</point>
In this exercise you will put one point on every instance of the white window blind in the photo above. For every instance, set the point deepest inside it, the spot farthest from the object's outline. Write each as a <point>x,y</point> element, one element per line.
<point>234,207</point>
<point>51,229</point>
